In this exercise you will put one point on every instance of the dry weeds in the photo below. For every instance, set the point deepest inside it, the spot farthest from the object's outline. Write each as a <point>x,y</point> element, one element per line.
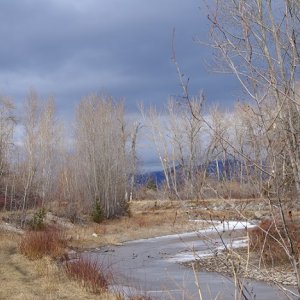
<point>147,220</point>
<point>89,274</point>
<point>37,244</point>
<point>43,279</point>
<point>271,239</point>
<point>151,218</point>
<point>23,279</point>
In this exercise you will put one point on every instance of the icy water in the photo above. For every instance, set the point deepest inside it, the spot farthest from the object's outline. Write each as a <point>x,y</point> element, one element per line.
<point>152,267</point>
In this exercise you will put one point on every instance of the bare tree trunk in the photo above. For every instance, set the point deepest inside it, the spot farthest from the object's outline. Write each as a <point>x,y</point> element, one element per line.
<point>102,154</point>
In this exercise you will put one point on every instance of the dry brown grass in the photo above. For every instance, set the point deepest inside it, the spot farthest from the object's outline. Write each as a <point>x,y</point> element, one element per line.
<point>89,274</point>
<point>24,279</point>
<point>150,218</point>
<point>270,240</point>
<point>49,242</point>
<point>148,221</point>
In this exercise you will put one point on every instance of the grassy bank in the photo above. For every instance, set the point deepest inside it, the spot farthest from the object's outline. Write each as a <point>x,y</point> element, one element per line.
<point>21,278</point>
<point>42,277</point>
<point>32,275</point>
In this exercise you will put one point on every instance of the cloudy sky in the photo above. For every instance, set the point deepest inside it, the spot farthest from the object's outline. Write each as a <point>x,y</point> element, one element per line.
<point>70,48</point>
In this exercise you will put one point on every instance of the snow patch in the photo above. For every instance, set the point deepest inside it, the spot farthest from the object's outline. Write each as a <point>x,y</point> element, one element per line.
<point>196,255</point>
<point>215,226</point>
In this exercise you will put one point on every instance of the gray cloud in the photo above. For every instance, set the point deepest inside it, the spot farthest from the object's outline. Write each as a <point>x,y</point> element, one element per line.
<point>71,47</point>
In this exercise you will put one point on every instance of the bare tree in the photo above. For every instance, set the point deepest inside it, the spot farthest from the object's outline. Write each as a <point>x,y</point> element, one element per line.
<point>101,150</point>
<point>179,141</point>
<point>259,42</point>
<point>261,48</point>
<point>39,159</point>
<point>31,120</point>
<point>155,121</point>
<point>7,129</point>
<point>133,159</point>
<point>50,136</point>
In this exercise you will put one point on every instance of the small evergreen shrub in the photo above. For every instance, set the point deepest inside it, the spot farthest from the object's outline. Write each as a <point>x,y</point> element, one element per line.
<point>97,213</point>
<point>37,222</point>
<point>151,184</point>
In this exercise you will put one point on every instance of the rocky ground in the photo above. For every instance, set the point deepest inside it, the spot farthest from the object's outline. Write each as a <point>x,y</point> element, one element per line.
<point>240,261</point>
<point>245,265</point>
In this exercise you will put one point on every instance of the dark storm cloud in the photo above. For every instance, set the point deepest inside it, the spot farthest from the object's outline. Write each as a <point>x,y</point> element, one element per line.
<point>70,48</point>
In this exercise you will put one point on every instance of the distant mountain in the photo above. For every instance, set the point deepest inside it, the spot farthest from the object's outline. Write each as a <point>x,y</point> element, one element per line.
<point>224,169</point>
<point>156,178</point>
<point>217,169</point>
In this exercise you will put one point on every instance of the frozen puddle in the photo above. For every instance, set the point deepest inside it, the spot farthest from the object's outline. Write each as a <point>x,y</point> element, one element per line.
<point>215,226</point>
<point>192,253</point>
<point>195,255</point>
<point>225,225</point>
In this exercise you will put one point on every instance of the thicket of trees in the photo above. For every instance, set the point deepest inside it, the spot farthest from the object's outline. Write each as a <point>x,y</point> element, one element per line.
<point>38,169</point>
<point>258,41</point>
<point>103,161</point>
<point>98,170</point>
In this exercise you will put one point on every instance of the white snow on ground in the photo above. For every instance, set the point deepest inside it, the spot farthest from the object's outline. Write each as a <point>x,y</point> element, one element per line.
<point>195,255</point>
<point>215,226</point>
<point>228,226</point>
<point>220,227</point>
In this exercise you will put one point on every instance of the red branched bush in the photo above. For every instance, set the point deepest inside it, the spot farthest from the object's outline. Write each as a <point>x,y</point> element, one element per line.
<point>88,273</point>
<point>274,241</point>
<point>36,244</point>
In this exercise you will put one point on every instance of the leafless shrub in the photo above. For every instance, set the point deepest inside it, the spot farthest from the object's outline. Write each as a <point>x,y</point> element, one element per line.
<point>89,273</point>
<point>36,244</point>
<point>235,190</point>
<point>270,240</point>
